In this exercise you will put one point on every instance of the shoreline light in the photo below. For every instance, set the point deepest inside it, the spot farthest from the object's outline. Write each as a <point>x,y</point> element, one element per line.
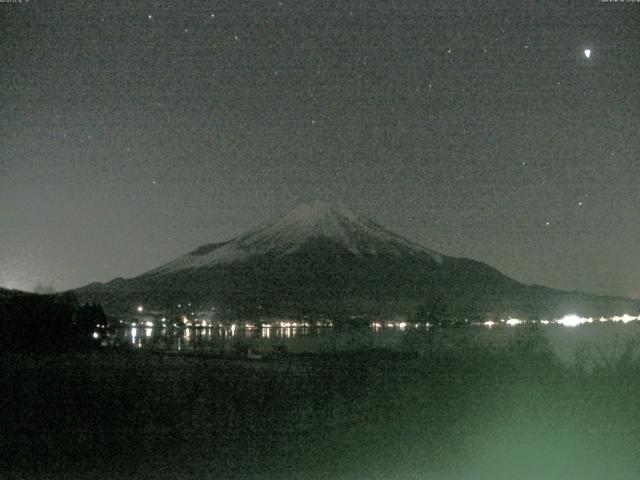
<point>571,321</point>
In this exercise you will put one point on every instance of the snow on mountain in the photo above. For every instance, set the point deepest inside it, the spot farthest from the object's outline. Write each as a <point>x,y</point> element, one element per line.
<point>324,260</point>
<point>307,222</point>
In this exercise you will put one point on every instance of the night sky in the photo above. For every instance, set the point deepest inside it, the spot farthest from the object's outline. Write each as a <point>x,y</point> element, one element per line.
<point>132,132</point>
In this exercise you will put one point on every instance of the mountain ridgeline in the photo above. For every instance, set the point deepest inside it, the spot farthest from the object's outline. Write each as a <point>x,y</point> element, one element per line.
<point>324,261</point>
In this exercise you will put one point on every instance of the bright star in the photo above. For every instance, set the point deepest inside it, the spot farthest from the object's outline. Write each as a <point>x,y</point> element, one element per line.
<point>587,52</point>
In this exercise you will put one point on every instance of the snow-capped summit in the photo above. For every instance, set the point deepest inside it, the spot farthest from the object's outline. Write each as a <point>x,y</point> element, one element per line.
<point>308,222</point>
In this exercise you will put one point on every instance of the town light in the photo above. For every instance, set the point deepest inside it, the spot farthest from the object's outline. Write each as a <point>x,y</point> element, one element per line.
<point>571,321</point>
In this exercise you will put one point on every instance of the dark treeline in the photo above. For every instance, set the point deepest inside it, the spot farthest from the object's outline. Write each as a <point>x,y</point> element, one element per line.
<point>47,322</point>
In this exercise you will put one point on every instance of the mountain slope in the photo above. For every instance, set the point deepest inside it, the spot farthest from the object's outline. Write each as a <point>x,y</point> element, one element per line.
<point>324,260</point>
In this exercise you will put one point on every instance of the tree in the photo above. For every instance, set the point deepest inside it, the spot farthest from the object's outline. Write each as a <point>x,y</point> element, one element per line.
<point>37,322</point>
<point>89,318</point>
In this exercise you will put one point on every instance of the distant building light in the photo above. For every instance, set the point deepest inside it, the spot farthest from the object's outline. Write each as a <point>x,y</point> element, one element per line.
<point>571,321</point>
<point>140,308</point>
<point>628,318</point>
<point>574,320</point>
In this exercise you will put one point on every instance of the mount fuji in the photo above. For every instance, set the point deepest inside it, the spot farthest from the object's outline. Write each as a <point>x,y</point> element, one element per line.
<point>324,260</point>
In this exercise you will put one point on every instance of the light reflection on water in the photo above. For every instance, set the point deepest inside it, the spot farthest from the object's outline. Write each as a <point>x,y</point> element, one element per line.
<point>265,332</point>
<point>597,336</point>
<point>294,336</point>
<point>226,337</point>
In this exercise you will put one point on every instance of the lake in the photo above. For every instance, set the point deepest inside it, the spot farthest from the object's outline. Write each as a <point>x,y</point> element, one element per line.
<point>460,409</point>
<point>595,341</point>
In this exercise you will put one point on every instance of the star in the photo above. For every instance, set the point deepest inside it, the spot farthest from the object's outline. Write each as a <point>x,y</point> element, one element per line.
<point>587,52</point>
<point>150,17</point>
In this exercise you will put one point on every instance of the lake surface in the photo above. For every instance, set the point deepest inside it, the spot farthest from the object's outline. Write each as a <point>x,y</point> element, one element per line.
<point>597,341</point>
<point>455,414</point>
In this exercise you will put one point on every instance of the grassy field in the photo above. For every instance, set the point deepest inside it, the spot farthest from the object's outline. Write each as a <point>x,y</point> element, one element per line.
<point>458,409</point>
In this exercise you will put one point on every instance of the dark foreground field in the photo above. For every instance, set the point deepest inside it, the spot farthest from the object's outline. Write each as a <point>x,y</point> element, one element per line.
<point>457,410</point>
